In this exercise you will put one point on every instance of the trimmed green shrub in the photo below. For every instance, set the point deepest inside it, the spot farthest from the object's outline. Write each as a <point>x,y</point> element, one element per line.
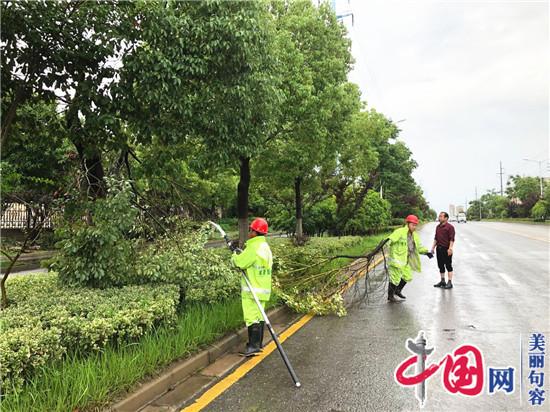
<point>44,321</point>
<point>99,254</point>
<point>204,275</point>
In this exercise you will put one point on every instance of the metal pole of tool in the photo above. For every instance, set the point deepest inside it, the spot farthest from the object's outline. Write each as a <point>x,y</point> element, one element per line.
<point>264,315</point>
<point>273,334</point>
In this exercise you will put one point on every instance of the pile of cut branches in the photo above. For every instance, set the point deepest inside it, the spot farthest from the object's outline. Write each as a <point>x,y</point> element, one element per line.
<point>314,282</point>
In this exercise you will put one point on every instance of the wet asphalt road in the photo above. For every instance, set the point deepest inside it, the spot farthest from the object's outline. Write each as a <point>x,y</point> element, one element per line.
<point>347,364</point>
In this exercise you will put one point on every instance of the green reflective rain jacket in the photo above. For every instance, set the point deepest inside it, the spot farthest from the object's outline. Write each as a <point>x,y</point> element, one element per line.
<point>257,259</point>
<point>400,267</point>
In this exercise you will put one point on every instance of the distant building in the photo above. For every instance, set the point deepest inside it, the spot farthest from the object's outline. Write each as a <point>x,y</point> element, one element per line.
<point>459,209</point>
<point>452,210</point>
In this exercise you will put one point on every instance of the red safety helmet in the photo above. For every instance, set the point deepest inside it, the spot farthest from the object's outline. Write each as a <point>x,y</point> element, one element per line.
<point>259,225</point>
<point>412,219</point>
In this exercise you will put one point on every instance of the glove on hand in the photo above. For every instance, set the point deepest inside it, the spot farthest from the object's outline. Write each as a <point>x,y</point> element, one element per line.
<point>234,247</point>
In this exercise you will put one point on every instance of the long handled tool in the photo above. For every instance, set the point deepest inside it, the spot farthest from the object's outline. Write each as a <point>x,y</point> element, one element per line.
<point>266,319</point>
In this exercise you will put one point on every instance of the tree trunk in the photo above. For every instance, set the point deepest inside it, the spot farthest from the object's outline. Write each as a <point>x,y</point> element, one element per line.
<point>298,196</point>
<point>4,301</point>
<point>90,155</point>
<point>340,197</point>
<point>242,199</point>
<point>92,167</point>
<point>19,98</point>
<point>13,260</point>
<point>363,193</point>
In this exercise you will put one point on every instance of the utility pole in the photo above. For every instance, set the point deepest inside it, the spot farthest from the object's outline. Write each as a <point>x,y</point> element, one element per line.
<point>501,173</point>
<point>540,162</point>
<point>479,204</point>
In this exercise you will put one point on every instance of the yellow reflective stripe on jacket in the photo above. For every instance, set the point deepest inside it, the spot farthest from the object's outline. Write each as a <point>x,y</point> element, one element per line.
<point>397,261</point>
<point>255,290</point>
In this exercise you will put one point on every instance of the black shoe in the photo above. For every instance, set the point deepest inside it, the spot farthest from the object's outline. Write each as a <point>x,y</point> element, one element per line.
<point>253,345</point>
<point>449,285</point>
<point>250,351</point>
<point>262,324</point>
<point>400,288</point>
<point>441,284</point>
<point>391,291</point>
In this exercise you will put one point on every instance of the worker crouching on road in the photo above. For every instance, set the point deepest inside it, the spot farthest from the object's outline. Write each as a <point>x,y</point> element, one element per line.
<point>257,260</point>
<point>405,250</point>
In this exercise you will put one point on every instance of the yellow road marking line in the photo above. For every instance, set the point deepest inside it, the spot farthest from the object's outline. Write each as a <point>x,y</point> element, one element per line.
<point>519,234</point>
<point>361,274</point>
<point>206,398</point>
<point>242,370</point>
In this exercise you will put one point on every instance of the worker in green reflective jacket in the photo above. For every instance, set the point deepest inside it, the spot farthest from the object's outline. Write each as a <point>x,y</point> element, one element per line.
<point>257,260</point>
<point>405,251</point>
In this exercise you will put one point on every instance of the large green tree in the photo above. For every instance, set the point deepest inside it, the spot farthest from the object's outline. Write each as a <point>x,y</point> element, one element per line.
<point>524,192</point>
<point>38,152</point>
<point>204,71</point>
<point>67,52</point>
<point>318,101</point>
<point>357,167</point>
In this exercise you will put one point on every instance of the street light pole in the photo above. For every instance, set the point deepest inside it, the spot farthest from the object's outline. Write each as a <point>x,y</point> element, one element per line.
<point>540,162</point>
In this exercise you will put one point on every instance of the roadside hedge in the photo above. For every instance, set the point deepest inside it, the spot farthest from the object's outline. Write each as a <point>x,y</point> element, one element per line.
<point>45,321</point>
<point>180,258</point>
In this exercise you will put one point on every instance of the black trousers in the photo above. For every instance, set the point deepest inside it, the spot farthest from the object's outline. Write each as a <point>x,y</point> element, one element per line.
<point>444,261</point>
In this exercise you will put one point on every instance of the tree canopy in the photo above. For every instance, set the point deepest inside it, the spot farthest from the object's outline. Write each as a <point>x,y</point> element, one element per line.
<point>209,109</point>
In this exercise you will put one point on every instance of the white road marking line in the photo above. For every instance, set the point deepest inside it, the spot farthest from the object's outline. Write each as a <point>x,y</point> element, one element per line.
<point>521,234</point>
<point>483,256</point>
<point>508,279</point>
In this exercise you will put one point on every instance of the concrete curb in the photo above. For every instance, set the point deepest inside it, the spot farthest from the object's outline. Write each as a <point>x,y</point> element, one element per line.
<point>150,391</point>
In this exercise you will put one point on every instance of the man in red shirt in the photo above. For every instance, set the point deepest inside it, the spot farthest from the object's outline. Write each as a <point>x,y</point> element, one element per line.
<point>443,246</point>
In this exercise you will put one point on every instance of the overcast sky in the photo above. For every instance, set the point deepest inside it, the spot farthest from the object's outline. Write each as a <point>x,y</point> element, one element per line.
<point>471,78</point>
